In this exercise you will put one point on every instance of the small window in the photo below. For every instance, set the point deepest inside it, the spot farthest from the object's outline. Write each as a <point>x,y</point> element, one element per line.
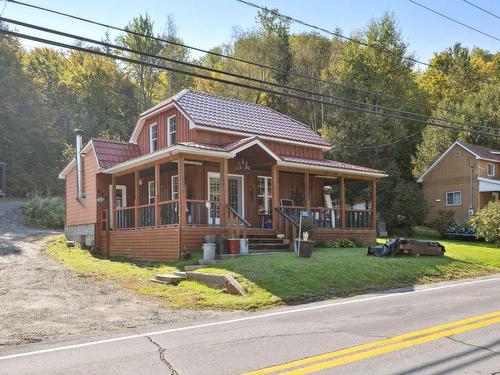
<point>151,192</point>
<point>454,198</point>
<point>490,169</point>
<point>153,137</point>
<point>175,187</point>
<point>171,130</point>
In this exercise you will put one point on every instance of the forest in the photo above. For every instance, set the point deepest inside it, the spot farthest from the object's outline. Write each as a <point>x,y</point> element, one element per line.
<point>46,93</point>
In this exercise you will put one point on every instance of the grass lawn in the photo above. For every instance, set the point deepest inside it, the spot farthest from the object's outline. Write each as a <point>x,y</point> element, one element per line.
<point>275,279</point>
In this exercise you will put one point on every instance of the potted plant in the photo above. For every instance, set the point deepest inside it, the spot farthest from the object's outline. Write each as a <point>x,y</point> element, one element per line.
<point>304,246</point>
<point>233,245</point>
<point>221,244</point>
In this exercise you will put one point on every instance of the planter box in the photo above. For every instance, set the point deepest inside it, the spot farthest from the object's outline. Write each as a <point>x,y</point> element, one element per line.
<point>303,248</point>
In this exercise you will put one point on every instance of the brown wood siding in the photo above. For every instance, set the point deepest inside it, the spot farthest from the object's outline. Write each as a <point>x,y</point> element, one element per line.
<point>156,245</point>
<point>452,173</point>
<point>83,211</point>
<point>364,237</point>
<point>183,133</point>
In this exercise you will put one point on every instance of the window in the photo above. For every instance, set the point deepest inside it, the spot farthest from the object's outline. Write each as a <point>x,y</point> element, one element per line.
<point>171,130</point>
<point>454,198</point>
<point>153,137</point>
<point>264,195</point>
<point>175,187</point>
<point>490,169</point>
<point>151,192</point>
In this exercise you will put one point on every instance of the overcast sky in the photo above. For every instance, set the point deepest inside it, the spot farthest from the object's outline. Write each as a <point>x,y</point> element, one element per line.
<point>209,23</point>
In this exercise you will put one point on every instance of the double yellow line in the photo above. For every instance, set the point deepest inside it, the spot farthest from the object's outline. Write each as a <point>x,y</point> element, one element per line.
<point>324,361</point>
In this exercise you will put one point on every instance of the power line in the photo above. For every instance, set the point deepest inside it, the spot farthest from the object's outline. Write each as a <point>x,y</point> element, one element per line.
<point>380,145</point>
<point>191,65</point>
<point>152,37</point>
<point>238,84</point>
<point>482,9</point>
<point>454,20</point>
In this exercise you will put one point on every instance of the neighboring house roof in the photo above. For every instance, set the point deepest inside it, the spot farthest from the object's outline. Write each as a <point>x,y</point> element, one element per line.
<point>479,152</point>
<point>488,184</point>
<point>217,113</point>
<point>110,153</point>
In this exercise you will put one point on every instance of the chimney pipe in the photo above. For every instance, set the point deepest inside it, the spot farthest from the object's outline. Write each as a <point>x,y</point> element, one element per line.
<point>79,191</point>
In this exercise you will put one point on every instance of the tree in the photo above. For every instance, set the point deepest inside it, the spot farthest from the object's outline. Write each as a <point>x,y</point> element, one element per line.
<point>487,222</point>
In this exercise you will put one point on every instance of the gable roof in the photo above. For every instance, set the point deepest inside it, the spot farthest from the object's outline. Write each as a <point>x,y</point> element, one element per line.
<point>217,113</point>
<point>479,152</point>
<point>110,153</point>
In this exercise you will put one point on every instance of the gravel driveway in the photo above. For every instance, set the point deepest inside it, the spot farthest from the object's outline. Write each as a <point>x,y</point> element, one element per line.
<point>40,300</point>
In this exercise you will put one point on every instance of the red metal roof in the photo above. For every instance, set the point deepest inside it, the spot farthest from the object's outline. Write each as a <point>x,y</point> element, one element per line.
<point>330,163</point>
<point>240,116</point>
<point>109,153</point>
<point>483,152</point>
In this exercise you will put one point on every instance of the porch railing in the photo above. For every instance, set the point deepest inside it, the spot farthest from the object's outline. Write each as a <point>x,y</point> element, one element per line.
<point>169,212</point>
<point>358,219</point>
<point>125,218</point>
<point>202,212</point>
<point>237,222</point>
<point>326,217</point>
<point>147,215</point>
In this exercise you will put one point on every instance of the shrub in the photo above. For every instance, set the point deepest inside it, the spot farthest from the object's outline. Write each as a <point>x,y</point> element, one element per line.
<point>47,212</point>
<point>443,222</point>
<point>487,222</point>
<point>342,243</point>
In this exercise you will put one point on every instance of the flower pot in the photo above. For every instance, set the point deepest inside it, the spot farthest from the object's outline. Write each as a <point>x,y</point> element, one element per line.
<point>208,251</point>
<point>303,248</point>
<point>244,246</point>
<point>233,246</point>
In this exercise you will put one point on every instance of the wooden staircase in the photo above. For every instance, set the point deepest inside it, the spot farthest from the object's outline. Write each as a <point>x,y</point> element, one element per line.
<point>267,244</point>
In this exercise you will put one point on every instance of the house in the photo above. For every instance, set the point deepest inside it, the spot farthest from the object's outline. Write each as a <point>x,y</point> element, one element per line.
<point>463,179</point>
<point>199,164</point>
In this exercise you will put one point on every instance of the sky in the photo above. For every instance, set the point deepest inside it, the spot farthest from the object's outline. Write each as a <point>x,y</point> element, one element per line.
<point>209,23</point>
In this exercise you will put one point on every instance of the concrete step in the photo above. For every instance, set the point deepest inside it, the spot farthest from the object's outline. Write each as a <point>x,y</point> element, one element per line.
<point>169,279</point>
<point>270,250</point>
<point>266,244</point>
<point>194,268</point>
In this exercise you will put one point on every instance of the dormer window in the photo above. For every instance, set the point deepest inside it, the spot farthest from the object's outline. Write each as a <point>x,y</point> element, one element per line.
<point>171,130</point>
<point>490,170</point>
<point>153,137</point>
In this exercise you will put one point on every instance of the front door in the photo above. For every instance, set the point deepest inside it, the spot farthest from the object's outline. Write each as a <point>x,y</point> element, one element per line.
<point>235,198</point>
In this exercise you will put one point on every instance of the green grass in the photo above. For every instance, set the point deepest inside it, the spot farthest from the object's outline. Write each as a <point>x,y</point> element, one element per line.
<point>275,279</point>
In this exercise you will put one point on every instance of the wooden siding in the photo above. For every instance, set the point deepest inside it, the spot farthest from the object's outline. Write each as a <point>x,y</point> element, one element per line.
<point>156,245</point>
<point>82,211</point>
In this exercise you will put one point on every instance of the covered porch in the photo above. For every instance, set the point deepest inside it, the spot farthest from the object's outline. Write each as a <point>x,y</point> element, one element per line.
<point>249,193</point>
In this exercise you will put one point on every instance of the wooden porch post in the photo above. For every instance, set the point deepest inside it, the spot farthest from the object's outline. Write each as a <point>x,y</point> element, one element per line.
<point>157,194</point>
<point>342,203</point>
<point>275,198</point>
<point>307,193</point>
<point>182,201</point>
<point>224,191</point>
<point>136,198</point>
<point>374,204</point>
<point>113,201</point>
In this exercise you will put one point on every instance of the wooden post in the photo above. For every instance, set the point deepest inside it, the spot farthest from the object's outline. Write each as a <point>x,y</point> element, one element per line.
<point>374,204</point>
<point>342,203</point>
<point>113,201</point>
<point>224,191</point>
<point>307,193</point>
<point>182,204</point>
<point>136,198</point>
<point>275,199</point>
<point>157,194</point>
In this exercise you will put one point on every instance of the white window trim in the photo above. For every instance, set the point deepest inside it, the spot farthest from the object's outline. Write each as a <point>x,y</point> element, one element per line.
<point>268,198</point>
<point>149,192</point>
<point>168,129</point>
<point>172,178</point>
<point>151,137</point>
<point>453,192</point>
<point>488,169</point>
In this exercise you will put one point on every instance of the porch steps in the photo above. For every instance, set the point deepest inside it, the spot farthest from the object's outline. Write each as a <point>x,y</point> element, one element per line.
<point>266,244</point>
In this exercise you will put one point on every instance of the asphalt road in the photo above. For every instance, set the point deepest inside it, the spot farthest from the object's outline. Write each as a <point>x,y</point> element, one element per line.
<point>249,342</point>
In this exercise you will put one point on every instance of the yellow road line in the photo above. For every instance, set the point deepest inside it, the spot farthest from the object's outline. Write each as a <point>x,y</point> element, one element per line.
<point>390,348</point>
<point>372,345</point>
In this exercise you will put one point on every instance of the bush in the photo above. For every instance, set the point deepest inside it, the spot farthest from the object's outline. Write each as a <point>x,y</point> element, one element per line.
<point>46,212</point>
<point>342,243</point>
<point>443,222</point>
<point>487,222</point>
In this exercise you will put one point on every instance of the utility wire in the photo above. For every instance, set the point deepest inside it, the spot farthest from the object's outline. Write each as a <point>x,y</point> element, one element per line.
<point>238,84</point>
<point>381,145</point>
<point>191,65</point>
<point>454,20</point>
<point>482,9</point>
<point>367,91</point>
